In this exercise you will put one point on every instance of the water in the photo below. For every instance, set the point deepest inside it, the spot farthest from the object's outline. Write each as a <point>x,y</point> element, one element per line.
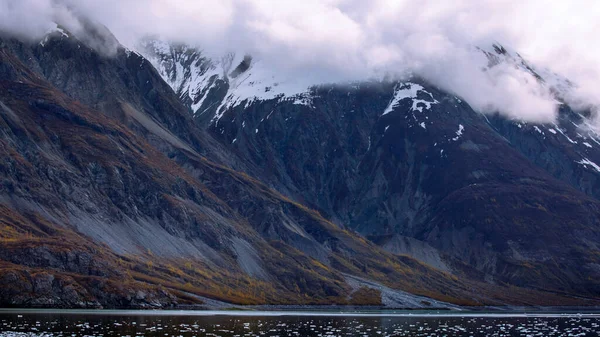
<point>296,324</point>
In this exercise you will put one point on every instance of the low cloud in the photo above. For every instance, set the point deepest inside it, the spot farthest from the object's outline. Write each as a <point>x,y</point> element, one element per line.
<point>26,19</point>
<point>345,40</point>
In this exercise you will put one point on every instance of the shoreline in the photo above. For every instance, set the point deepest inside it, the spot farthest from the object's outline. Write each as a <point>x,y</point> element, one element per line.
<point>323,311</point>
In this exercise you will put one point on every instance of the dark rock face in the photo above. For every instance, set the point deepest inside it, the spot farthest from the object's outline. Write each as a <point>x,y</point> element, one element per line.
<point>117,191</point>
<point>108,201</point>
<point>43,289</point>
<point>564,149</point>
<point>515,201</point>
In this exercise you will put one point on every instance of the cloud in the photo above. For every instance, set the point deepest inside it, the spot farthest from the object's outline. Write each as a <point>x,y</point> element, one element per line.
<point>340,40</point>
<point>31,20</point>
<point>26,18</point>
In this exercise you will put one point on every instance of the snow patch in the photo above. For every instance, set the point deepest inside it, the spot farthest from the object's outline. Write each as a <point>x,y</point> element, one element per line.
<point>586,162</point>
<point>459,133</point>
<point>564,134</point>
<point>409,90</point>
<point>192,74</point>
<point>62,32</point>
<point>54,29</point>
<point>303,99</point>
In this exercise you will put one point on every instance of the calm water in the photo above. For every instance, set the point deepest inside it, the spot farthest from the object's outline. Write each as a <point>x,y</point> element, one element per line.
<point>193,323</point>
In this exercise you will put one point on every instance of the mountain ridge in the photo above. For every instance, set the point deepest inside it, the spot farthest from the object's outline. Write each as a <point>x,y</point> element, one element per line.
<point>95,137</point>
<point>331,140</point>
<point>103,151</point>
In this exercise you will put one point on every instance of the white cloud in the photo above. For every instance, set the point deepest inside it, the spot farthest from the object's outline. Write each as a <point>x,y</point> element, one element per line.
<point>26,18</point>
<point>340,40</point>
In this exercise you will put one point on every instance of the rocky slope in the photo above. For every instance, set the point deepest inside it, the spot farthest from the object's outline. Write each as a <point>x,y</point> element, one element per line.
<point>413,168</point>
<point>112,196</point>
<point>118,191</point>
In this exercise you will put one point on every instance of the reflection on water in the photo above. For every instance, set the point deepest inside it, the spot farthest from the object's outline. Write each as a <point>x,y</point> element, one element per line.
<point>171,323</point>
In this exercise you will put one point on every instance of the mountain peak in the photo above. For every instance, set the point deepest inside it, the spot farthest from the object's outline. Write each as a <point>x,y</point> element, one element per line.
<point>231,80</point>
<point>88,32</point>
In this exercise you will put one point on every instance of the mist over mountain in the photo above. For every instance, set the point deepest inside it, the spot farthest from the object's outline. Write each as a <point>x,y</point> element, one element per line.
<point>161,154</point>
<point>392,159</point>
<point>322,41</point>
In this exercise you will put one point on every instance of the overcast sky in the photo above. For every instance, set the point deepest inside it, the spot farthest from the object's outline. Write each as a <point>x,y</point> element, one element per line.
<point>341,40</point>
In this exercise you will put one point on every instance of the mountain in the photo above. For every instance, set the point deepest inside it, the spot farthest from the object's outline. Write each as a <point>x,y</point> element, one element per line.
<point>415,169</point>
<point>108,201</point>
<point>171,179</point>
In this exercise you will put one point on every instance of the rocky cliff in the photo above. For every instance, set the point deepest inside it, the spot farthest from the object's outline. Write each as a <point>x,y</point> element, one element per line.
<point>119,190</point>
<point>415,169</point>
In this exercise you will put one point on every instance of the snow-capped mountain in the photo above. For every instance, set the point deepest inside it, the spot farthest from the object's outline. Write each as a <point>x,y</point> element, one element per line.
<point>573,130</point>
<point>111,196</point>
<point>417,170</point>
<point>211,86</point>
<point>557,84</point>
<point>165,177</point>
